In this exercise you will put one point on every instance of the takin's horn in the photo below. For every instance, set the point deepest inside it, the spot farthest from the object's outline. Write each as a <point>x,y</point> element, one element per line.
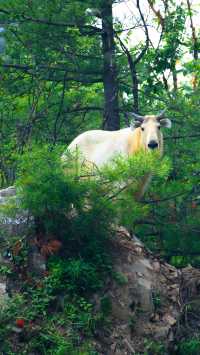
<point>137,117</point>
<point>161,114</point>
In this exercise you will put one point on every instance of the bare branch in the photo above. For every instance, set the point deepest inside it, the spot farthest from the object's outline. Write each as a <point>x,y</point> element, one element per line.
<point>165,199</point>
<point>182,137</point>
<point>146,33</point>
<point>50,67</point>
<point>88,28</point>
<point>194,40</point>
<point>50,76</point>
<point>194,37</point>
<point>157,13</point>
<point>60,110</point>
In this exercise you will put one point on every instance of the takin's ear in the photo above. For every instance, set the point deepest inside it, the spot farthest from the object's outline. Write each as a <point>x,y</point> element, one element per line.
<point>135,124</point>
<point>165,122</point>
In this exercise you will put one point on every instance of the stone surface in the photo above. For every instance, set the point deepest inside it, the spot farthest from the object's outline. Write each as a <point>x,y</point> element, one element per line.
<point>37,262</point>
<point>12,225</point>
<point>150,304</point>
<point>169,319</point>
<point>144,287</point>
<point>3,294</point>
<point>162,332</point>
<point>6,193</point>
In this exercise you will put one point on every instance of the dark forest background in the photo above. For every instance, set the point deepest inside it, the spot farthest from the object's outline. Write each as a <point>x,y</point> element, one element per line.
<point>67,67</point>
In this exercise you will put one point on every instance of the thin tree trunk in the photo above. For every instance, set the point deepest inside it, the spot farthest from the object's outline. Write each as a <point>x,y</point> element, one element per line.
<point>111,109</point>
<point>194,36</point>
<point>133,73</point>
<point>135,87</point>
<point>194,42</point>
<point>133,62</point>
<point>175,79</point>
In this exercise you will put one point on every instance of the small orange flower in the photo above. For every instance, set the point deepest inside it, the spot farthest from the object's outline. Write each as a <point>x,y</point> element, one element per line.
<point>20,323</point>
<point>194,205</point>
<point>46,273</point>
<point>51,247</point>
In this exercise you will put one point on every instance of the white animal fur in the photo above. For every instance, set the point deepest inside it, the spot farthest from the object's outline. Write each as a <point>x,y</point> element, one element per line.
<point>99,147</point>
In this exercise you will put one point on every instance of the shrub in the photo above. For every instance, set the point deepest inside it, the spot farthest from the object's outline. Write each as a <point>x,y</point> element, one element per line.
<point>189,347</point>
<point>75,212</point>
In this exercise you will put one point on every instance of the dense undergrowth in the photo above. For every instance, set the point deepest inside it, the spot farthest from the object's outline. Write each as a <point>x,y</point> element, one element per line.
<point>75,214</point>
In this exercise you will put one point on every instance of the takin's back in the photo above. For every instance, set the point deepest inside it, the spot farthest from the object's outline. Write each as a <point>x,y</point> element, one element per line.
<point>99,147</point>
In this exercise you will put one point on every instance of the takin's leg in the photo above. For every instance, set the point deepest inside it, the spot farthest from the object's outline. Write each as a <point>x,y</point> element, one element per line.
<point>143,186</point>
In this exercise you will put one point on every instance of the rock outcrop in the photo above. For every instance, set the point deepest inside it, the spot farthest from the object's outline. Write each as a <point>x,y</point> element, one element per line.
<point>147,298</point>
<point>14,226</point>
<point>11,224</point>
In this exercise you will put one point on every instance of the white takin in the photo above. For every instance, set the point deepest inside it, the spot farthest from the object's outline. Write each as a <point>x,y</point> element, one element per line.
<point>98,147</point>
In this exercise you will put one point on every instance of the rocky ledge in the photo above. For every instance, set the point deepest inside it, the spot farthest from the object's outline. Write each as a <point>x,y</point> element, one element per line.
<point>148,300</point>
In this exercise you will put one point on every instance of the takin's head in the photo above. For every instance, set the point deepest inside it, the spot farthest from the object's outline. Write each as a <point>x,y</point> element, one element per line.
<point>150,125</point>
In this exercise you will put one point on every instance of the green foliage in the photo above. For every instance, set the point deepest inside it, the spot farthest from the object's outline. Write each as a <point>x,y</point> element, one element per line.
<point>53,321</point>
<point>106,305</point>
<point>154,348</point>
<point>156,300</point>
<point>58,203</point>
<point>189,347</point>
<point>51,90</point>
<point>120,278</point>
<point>78,213</point>
<point>75,275</point>
<point>54,91</point>
<point>132,322</point>
<point>48,190</point>
<point>5,270</point>
<point>172,226</point>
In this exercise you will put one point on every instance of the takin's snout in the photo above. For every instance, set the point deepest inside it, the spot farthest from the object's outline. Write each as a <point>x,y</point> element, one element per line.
<point>153,144</point>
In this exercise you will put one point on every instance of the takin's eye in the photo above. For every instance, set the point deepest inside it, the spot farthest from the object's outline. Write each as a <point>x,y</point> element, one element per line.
<point>142,128</point>
<point>158,127</point>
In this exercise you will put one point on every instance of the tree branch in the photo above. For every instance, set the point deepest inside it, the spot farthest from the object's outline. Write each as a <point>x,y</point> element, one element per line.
<point>194,37</point>
<point>146,33</point>
<point>53,68</point>
<point>89,28</point>
<point>164,199</point>
<point>157,13</point>
<point>31,70</point>
<point>181,137</point>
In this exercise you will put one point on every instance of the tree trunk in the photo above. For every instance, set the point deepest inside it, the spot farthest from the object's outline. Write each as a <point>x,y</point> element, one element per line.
<point>134,77</point>
<point>194,42</point>
<point>111,108</point>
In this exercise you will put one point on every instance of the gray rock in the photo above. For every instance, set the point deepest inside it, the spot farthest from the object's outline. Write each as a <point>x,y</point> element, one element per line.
<point>8,192</point>
<point>143,270</point>
<point>2,44</point>
<point>162,332</point>
<point>15,223</point>
<point>37,262</point>
<point>3,294</point>
<point>144,288</point>
<point>169,319</point>
<point>142,266</point>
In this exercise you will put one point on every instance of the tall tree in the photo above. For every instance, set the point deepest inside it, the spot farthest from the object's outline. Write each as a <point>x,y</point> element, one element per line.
<point>111,110</point>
